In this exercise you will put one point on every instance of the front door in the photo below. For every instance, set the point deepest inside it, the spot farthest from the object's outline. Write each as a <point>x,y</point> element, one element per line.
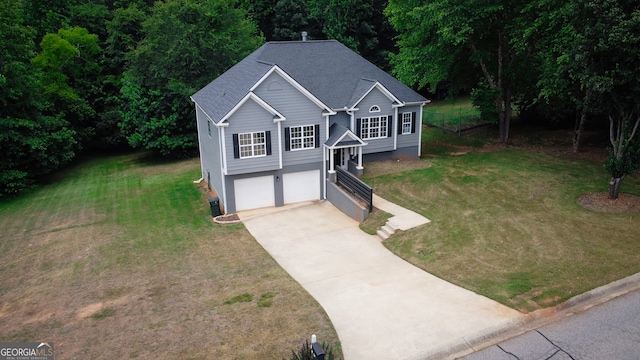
<point>341,158</point>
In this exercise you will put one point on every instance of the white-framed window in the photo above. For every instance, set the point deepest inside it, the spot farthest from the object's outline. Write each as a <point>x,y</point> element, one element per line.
<point>302,137</point>
<point>374,108</point>
<point>252,144</point>
<point>374,127</point>
<point>407,122</point>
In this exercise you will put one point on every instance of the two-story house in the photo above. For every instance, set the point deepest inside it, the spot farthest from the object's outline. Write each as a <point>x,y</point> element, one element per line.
<point>273,128</point>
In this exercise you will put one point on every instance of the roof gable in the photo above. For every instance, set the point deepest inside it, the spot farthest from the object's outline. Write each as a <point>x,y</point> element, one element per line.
<point>342,137</point>
<point>362,92</point>
<point>326,71</point>
<point>251,96</point>
<point>295,84</point>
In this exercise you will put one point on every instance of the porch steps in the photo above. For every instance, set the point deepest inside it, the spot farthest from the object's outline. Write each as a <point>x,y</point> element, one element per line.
<point>386,230</point>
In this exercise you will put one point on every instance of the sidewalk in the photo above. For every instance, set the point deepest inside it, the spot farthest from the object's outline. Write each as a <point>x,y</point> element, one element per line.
<point>381,306</point>
<point>403,219</point>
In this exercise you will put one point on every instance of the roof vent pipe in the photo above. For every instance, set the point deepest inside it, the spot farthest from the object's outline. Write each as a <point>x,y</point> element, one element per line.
<point>304,36</point>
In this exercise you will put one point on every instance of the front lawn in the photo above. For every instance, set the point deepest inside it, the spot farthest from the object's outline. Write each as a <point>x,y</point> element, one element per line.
<point>506,222</point>
<point>118,258</point>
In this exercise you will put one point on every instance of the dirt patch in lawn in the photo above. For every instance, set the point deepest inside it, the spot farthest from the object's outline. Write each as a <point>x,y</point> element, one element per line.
<point>599,201</point>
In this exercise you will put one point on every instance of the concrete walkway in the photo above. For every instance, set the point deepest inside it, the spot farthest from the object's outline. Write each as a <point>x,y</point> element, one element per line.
<point>381,306</point>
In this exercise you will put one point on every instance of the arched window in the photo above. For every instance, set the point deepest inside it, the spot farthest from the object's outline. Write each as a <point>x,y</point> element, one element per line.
<point>374,108</point>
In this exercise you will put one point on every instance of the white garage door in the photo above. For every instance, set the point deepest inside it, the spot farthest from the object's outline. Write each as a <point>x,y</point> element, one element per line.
<point>253,193</point>
<point>301,186</point>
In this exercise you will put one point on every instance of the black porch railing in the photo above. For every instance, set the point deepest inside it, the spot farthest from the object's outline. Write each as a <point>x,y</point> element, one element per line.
<point>355,186</point>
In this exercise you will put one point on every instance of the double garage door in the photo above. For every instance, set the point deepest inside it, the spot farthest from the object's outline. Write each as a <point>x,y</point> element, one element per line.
<point>257,192</point>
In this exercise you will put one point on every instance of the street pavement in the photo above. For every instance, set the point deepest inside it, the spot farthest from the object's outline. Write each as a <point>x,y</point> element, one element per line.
<point>609,331</point>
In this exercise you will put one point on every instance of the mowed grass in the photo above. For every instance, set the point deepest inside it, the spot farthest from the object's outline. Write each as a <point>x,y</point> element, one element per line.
<point>452,114</point>
<point>118,258</point>
<point>506,224</point>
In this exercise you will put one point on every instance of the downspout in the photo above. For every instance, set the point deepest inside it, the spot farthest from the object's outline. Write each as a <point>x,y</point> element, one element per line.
<point>280,143</point>
<point>223,173</point>
<point>395,128</point>
<point>352,121</point>
<point>324,171</point>
<point>419,125</point>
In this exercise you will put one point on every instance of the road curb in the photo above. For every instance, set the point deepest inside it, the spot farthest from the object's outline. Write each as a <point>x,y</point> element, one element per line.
<point>518,326</point>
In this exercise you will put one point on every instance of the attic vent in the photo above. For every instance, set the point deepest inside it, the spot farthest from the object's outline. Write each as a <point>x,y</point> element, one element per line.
<point>374,108</point>
<point>304,36</point>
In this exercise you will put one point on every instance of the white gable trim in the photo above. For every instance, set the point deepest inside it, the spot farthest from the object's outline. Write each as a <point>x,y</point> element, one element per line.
<point>352,136</point>
<point>383,89</point>
<point>259,101</point>
<point>296,85</point>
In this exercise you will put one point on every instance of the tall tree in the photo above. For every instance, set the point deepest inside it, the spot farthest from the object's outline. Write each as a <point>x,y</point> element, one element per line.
<point>31,144</point>
<point>124,31</point>
<point>614,63</point>
<point>442,37</point>
<point>186,45</point>
<point>282,20</point>
<point>567,75</point>
<point>358,24</point>
<point>69,62</point>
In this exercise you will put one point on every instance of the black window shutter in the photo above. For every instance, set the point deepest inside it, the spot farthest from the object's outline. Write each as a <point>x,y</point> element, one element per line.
<point>413,122</point>
<point>358,126</point>
<point>287,139</point>
<point>236,147</point>
<point>267,139</point>
<point>400,124</point>
<point>389,126</point>
<point>317,135</point>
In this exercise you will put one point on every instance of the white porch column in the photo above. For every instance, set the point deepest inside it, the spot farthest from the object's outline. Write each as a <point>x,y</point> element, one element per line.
<point>359,167</point>
<point>332,166</point>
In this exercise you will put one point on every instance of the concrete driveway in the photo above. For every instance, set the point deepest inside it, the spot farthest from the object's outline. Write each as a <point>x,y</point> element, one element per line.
<point>381,306</point>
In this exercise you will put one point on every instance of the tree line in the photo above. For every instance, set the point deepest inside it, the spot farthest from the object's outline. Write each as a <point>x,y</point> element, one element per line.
<point>83,76</point>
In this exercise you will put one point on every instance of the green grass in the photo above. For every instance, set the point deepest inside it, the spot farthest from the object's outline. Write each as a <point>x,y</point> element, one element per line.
<point>246,297</point>
<point>266,299</point>
<point>452,115</point>
<point>104,313</point>
<point>129,241</point>
<point>374,221</point>
<point>506,224</point>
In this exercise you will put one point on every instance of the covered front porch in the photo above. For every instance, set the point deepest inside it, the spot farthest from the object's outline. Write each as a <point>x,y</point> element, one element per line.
<point>343,150</point>
<point>343,162</point>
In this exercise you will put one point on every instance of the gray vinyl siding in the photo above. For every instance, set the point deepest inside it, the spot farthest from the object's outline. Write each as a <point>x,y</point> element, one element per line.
<point>298,110</point>
<point>210,152</point>
<point>409,140</point>
<point>341,118</point>
<point>376,97</point>
<point>251,117</point>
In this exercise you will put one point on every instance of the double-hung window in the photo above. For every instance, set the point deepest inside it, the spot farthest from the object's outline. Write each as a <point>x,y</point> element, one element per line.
<point>302,137</point>
<point>374,127</point>
<point>407,122</point>
<point>252,144</point>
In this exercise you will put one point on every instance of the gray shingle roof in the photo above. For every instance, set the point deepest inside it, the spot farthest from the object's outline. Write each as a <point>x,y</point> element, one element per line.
<point>337,132</point>
<point>329,70</point>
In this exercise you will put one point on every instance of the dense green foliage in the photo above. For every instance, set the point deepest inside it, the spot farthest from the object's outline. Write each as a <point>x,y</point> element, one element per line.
<point>85,76</point>
<point>185,45</point>
<point>32,143</point>
<point>551,58</point>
